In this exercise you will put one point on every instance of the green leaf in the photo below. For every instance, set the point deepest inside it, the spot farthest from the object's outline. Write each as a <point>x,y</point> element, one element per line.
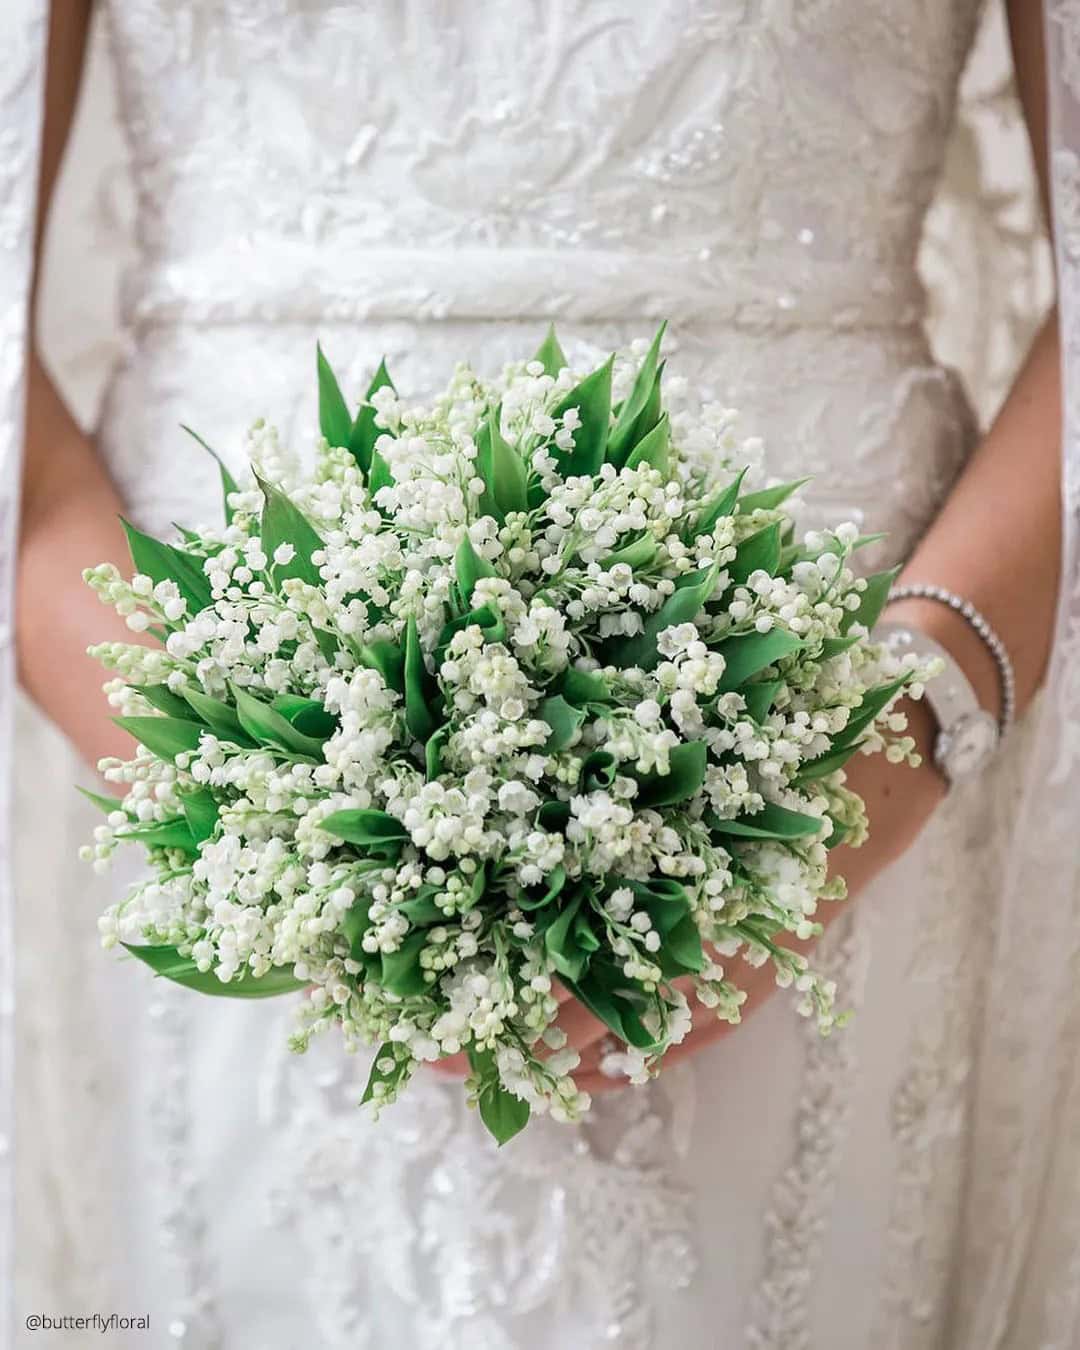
<point>100,800</point>
<point>582,687</point>
<point>652,449</point>
<point>163,562</point>
<point>873,704</point>
<point>771,822</point>
<point>478,886</point>
<point>170,965</point>
<point>189,536</point>
<point>668,905</point>
<point>684,779</point>
<point>165,737</point>
<point>353,927</point>
<point>327,644</point>
<point>161,834</point>
<point>826,764</point>
<point>603,991</point>
<point>418,715</point>
<point>599,770</point>
<point>600,1002</point>
<point>487,619</point>
<point>622,434</point>
<point>433,752</point>
<point>554,815</point>
<point>637,555</point>
<point>592,399</point>
<point>387,659</point>
<point>380,476</point>
<point>469,567</point>
<point>334,420</point>
<point>556,882</point>
<point>163,699</point>
<point>307,715</point>
<point>228,482</point>
<point>550,354</point>
<point>502,1112</point>
<point>745,656</point>
<point>760,551</point>
<point>402,973</point>
<point>665,889</point>
<point>270,728</point>
<point>723,504</point>
<point>284,523</point>
<point>393,1077</point>
<point>680,607</point>
<point>220,717</point>
<point>586,939</point>
<point>564,720</point>
<point>377,1075</point>
<point>872,601</point>
<point>831,647</point>
<point>650,414</point>
<point>768,499</point>
<point>682,947</point>
<point>423,909</point>
<point>364,433</point>
<point>500,466</point>
<point>831,545</point>
<point>566,956</point>
<point>201,813</point>
<point>838,835</point>
<point>759,698</point>
<point>365,828</point>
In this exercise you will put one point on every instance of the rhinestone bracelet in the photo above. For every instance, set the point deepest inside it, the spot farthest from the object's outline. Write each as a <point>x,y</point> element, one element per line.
<point>994,644</point>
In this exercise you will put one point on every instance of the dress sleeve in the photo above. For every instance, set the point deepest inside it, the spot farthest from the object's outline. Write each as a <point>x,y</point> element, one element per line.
<point>1021,1231</point>
<point>23,31</point>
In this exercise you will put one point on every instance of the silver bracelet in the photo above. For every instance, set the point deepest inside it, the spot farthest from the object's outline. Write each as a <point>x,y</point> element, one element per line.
<point>994,644</point>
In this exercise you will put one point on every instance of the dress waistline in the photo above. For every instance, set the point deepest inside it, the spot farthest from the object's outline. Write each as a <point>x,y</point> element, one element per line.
<point>284,281</point>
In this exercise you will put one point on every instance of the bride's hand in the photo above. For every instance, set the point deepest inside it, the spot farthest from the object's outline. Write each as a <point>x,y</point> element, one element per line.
<point>898,800</point>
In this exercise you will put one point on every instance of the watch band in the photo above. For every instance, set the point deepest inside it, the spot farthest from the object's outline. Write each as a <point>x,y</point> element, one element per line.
<point>967,735</point>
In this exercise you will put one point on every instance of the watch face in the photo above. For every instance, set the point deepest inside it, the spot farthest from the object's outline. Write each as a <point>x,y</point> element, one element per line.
<point>966,746</point>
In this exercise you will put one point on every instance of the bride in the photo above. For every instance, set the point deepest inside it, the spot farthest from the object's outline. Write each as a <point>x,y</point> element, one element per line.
<point>421,181</point>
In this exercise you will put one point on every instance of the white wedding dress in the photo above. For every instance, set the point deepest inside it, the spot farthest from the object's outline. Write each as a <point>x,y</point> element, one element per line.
<point>430,181</point>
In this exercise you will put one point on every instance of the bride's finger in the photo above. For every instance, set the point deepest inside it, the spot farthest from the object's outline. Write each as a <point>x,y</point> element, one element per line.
<point>453,1066</point>
<point>595,1076</point>
<point>580,1026</point>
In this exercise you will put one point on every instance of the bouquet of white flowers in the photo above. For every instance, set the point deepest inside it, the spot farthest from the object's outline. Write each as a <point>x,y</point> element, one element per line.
<point>517,688</point>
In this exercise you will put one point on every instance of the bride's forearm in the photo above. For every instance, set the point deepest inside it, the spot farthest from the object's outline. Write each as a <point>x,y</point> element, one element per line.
<point>70,520</point>
<point>997,541</point>
<point>70,508</point>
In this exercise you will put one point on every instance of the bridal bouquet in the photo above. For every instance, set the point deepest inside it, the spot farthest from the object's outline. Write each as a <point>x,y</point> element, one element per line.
<point>521,687</point>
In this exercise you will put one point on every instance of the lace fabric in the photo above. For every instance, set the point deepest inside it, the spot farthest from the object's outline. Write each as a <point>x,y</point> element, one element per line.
<point>739,167</point>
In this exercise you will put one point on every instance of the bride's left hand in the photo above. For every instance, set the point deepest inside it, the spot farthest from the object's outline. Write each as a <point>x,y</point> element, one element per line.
<point>898,801</point>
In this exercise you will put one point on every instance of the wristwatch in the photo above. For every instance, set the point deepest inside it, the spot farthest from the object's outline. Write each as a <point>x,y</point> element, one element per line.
<point>967,734</point>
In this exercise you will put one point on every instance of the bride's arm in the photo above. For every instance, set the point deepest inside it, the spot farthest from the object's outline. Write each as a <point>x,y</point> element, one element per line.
<point>997,542</point>
<point>70,508</point>
<point>997,539</point>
